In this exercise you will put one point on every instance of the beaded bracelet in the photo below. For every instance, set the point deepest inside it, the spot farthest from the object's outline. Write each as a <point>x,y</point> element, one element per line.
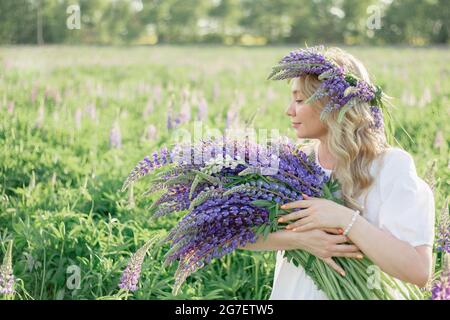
<point>355,214</point>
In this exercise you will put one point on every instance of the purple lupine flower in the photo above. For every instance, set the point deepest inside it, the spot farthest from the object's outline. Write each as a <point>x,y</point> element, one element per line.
<point>377,117</point>
<point>150,132</point>
<point>441,288</point>
<point>7,278</point>
<point>130,276</point>
<point>157,93</point>
<point>439,139</point>
<point>170,114</point>
<point>11,107</point>
<point>148,108</point>
<point>146,165</point>
<point>91,110</point>
<point>115,136</point>
<point>232,115</point>
<point>443,231</point>
<point>34,92</point>
<point>221,215</point>
<point>41,114</point>
<point>202,109</point>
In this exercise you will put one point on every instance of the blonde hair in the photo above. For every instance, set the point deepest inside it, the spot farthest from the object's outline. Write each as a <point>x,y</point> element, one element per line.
<point>353,142</point>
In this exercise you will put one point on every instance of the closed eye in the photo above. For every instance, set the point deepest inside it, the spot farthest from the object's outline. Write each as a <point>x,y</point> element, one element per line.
<point>299,101</point>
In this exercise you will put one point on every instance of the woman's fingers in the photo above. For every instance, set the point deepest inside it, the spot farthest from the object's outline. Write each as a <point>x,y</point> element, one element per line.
<point>355,255</point>
<point>299,223</point>
<point>338,239</point>
<point>332,230</point>
<point>294,215</point>
<point>304,227</point>
<point>297,204</point>
<point>345,248</point>
<point>334,265</point>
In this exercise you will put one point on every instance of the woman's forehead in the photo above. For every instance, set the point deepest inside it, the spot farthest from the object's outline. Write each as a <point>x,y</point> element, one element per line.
<point>295,85</point>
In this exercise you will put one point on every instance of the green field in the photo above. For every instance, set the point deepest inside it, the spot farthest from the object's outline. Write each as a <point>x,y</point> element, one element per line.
<point>60,177</point>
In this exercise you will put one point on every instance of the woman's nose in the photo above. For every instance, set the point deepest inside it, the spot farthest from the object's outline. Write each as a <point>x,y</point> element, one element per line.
<point>290,111</point>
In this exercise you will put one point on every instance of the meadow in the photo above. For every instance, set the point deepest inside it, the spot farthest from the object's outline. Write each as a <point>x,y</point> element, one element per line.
<point>75,120</point>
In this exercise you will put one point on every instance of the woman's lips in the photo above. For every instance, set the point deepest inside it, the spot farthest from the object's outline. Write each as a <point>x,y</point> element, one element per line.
<point>296,124</point>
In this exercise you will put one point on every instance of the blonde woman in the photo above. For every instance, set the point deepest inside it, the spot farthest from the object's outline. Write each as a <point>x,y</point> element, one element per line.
<point>388,211</point>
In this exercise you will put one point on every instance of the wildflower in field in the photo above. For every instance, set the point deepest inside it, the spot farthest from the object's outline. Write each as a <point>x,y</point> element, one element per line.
<point>78,117</point>
<point>157,93</point>
<point>11,107</point>
<point>216,92</point>
<point>7,279</point>
<point>426,97</point>
<point>130,276</point>
<point>34,93</point>
<point>150,132</point>
<point>41,114</point>
<point>91,111</point>
<point>202,109</point>
<point>115,136</point>
<point>185,109</point>
<point>443,230</point>
<point>271,95</point>
<point>232,116</point>
<point>439,139</point>
<point>172,120</point>
<point>148,108</point>
<point>441,288</point>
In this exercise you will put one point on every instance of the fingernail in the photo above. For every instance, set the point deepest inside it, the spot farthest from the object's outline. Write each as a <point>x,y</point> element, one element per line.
<point>283,207</point>
<point>341,231</point>
<point>343,273</point>
<point>281,220</point>
<point>295,229</point>
<point>359,256</point>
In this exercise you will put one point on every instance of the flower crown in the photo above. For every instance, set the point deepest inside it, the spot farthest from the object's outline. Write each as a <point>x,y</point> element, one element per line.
<point>344,89</point>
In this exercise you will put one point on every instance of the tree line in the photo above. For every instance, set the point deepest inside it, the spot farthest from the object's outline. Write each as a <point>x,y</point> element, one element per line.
<point>251,22</point>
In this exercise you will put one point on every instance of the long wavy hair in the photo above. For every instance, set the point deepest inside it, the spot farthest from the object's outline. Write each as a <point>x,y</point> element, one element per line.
<point>353,142</point>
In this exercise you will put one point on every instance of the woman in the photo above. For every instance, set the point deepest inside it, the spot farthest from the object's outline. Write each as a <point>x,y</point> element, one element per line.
<point>395,227</point>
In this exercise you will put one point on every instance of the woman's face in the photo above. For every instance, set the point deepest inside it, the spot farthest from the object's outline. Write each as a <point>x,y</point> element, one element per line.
<point>305,118</point>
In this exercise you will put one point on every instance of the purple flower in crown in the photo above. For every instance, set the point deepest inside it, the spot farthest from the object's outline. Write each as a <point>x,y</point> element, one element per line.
<point>377,117</point>
<point>342,88</point>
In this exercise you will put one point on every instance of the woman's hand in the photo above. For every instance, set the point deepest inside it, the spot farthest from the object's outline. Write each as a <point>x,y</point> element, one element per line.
<point>316,213</point>
<point>324,245</point>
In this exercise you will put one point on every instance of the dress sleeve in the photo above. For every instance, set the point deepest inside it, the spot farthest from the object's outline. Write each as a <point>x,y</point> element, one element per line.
<point>407,207</point>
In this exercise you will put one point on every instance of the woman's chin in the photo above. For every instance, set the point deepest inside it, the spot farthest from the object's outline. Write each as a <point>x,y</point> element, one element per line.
<point>300,135</point>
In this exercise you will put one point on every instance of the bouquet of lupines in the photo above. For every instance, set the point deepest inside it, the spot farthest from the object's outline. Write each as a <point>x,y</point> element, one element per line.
<point>231,192</point>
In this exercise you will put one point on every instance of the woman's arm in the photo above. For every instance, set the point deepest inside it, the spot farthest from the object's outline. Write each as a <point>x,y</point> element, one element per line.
<point>320,243</point>
<point>279,240</point>
<point>394,256</point>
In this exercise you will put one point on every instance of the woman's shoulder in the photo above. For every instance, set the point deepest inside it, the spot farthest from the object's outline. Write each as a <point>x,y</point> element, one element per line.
<point>395,159</point>
<point>398,167</point>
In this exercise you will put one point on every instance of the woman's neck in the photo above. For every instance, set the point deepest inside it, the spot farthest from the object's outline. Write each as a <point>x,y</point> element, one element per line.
<point>325,158</point>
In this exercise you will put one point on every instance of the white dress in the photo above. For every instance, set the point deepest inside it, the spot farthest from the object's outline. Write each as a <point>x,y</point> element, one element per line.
<point>399,202</point>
